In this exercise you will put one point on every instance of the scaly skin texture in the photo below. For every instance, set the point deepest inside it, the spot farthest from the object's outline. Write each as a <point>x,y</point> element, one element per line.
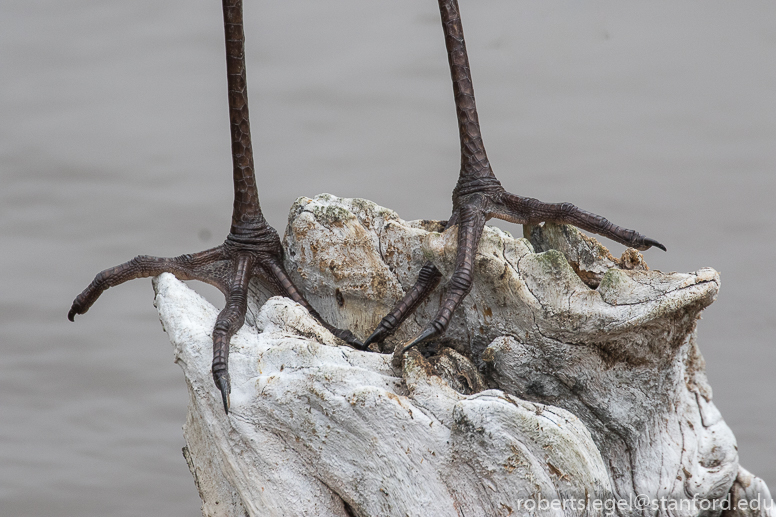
<point>479,196</point>
<point>252,248</point>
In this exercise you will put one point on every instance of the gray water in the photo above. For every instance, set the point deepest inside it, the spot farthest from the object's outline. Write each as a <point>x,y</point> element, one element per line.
<point>114,141</point>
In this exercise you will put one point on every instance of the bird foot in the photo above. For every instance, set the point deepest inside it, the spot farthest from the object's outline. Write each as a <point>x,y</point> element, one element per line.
<point>471,209</point>
<point>228,267</point>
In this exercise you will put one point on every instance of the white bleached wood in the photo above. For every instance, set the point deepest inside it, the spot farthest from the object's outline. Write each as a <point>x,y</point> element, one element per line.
<point>545,389</point>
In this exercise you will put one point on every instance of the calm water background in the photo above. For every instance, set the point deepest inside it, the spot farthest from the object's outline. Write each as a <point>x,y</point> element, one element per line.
<point>114,141</point>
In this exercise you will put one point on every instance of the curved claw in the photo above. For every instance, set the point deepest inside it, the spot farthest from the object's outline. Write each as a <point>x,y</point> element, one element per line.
<point>377,336</point>
<point>349,338</point>
<point>428,333</point>
<point>222,381</point>
<point>652,242</point>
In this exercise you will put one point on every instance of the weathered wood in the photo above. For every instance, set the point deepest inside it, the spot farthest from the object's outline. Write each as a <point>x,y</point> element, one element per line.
<point>544,390</point>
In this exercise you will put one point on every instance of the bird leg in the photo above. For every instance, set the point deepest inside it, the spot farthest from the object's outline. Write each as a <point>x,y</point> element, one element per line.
<point>252,248</point>
<point>479,196</point>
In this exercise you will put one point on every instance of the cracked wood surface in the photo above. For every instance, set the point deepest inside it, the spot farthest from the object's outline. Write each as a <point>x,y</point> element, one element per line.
<point>547,387</point>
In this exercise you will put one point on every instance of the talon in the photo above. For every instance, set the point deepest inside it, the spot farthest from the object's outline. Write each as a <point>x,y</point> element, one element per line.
<point>652,242</point>
<point>222,382</point>
<point>349,338</point>
<point>427,334</point>
<point>376,337</point>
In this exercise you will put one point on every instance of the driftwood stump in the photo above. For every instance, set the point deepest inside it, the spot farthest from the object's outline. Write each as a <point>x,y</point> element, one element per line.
<point>569,383</point>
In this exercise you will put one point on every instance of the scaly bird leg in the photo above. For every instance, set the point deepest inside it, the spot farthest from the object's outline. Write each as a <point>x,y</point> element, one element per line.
<point>479,196</point>
<point>252,248</point>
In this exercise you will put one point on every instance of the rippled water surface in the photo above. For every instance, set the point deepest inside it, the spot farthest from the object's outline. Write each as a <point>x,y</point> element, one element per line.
<point>114,142</point>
